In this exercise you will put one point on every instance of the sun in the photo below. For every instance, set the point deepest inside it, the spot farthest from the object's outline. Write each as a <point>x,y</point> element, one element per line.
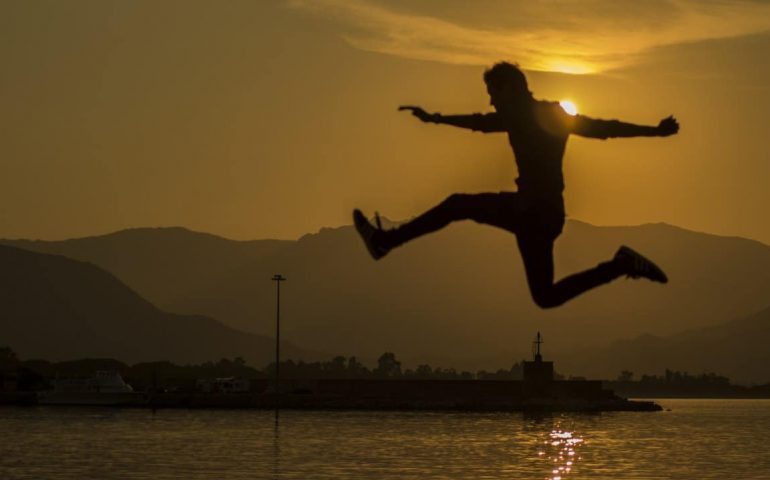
<point>568,107</point>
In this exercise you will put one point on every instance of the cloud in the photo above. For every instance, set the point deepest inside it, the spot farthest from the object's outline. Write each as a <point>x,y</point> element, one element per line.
<point>569,36</point>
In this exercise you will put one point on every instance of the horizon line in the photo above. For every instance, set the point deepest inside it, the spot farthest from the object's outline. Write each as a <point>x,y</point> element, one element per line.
<point>346,225</point>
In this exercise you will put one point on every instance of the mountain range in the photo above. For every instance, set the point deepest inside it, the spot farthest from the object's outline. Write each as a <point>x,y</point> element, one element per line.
<point>56,308</point>
<point>455,298</point>
<point>737,349</point>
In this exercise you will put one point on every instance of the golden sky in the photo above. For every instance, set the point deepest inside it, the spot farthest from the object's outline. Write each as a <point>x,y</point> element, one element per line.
<point>255,119</point>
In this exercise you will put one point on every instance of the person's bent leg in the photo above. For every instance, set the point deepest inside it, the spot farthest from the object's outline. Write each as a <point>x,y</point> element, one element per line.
<point>537,254</point>
<point>458,206</point>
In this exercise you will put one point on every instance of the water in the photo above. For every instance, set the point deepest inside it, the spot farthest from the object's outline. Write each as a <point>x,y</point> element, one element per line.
<point>719,439</point>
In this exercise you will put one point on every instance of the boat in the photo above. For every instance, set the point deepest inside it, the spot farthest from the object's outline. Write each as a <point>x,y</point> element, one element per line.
<point>104,388</point>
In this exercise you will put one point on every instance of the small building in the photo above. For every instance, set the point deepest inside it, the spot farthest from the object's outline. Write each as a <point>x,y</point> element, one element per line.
<point>538,375</point>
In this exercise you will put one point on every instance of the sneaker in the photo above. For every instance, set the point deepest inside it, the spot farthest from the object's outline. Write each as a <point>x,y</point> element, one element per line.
<point>638,266</point>
<point>371,235</point>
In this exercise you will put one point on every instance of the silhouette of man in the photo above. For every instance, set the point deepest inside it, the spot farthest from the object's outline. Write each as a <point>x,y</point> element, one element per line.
<point>537,131</point>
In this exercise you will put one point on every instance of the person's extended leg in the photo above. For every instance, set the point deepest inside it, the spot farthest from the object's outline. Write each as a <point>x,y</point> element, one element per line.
<point>480,207</point>
<point>458,206</point>
<point>537,254</point>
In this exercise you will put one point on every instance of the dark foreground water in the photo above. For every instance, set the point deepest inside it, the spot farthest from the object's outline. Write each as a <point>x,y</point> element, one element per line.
<point>720,439</point>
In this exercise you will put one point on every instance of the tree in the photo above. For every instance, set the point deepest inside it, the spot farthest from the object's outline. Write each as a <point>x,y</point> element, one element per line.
<point>388,366</point>
<point>356,369</point>
<point>424,371</point>
<point>626,376</point>
<point>336,367</point>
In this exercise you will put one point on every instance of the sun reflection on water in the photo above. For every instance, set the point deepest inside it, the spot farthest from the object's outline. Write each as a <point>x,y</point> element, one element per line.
<point>560,450</point>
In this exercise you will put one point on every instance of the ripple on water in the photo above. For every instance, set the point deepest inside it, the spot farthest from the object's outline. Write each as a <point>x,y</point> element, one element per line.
<point>697,439</point>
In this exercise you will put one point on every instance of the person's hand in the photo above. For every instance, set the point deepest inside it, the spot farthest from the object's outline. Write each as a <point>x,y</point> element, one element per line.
<point>419,113</point>
<point>668,126</point>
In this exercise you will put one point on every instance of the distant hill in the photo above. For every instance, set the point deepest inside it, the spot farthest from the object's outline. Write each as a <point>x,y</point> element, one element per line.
<point>57,308</point>
<point>163,264</point>
<point>456,298</point>
<point>737,349</point>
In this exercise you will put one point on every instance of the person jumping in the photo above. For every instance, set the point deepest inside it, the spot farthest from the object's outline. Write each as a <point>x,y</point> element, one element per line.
<point>537,132</point>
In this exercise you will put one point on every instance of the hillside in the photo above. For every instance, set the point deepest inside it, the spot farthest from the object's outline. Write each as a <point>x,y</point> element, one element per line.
<point>737,349</point>
<point>163,264</point>
<point>456,298</point>
<point>56,308</point>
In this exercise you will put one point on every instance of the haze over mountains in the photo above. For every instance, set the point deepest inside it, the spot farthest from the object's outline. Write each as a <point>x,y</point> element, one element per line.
<point>57,308</point>
<point>737,349</point>
<point>456,298</point>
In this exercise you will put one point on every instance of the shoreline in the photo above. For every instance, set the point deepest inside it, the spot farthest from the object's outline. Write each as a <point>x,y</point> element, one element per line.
<point>331,402</point>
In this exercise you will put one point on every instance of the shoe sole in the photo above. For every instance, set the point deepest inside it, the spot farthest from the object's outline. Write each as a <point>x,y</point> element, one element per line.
<point>364,229</point>
<point>656,274</point>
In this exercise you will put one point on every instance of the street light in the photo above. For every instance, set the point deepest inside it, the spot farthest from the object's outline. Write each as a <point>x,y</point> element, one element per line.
<point>277,278</point>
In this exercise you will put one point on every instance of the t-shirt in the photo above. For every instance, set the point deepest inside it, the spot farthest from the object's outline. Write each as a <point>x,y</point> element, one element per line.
<point>538,137</point>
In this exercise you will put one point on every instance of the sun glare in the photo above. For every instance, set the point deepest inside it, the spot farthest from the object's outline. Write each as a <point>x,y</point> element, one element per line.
<point>568,107</point>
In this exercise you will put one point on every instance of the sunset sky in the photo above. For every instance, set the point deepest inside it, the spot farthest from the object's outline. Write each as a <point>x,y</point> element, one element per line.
<point>272,119</point>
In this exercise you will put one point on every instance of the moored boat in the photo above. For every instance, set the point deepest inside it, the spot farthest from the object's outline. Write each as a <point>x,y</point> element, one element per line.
<point>104,388</point>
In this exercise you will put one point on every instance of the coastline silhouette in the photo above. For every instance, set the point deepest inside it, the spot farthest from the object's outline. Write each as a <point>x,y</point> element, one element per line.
<point>537,132</point>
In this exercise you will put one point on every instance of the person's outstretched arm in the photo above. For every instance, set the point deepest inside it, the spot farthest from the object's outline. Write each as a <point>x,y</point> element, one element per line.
<point>480,122</point>
<point>595,128</point>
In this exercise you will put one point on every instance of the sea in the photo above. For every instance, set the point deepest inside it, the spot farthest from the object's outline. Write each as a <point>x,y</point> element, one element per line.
<point>689,439</point>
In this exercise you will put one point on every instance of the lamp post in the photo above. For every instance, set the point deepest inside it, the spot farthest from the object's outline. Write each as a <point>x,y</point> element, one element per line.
<point>277,278</point>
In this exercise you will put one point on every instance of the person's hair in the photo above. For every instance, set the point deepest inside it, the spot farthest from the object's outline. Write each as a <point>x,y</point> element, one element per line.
<point>504,75</point>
